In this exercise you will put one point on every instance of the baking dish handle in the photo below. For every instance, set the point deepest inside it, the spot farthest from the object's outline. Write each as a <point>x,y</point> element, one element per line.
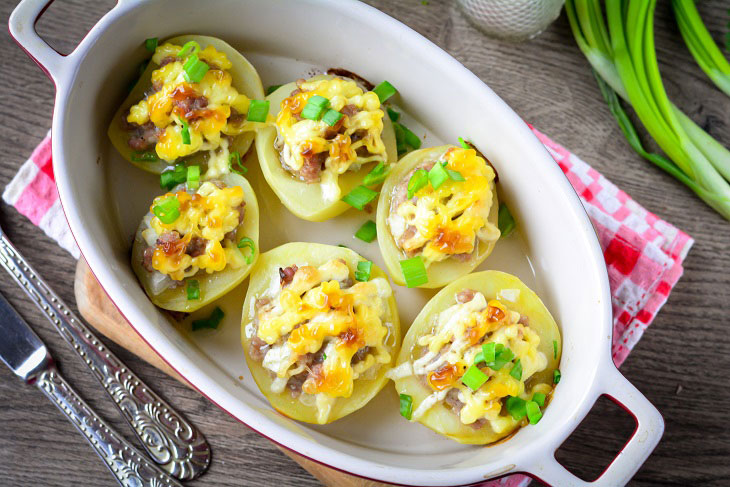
<point>22,28</point>
<point>649,429</point>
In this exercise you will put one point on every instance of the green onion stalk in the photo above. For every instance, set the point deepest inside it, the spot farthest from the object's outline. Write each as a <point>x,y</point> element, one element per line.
<point>620,47</point>
<point>701,45</point>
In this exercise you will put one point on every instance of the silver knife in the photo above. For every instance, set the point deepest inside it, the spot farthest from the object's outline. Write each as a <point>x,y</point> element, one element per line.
<point>177,446</point>
<point>28,358</point>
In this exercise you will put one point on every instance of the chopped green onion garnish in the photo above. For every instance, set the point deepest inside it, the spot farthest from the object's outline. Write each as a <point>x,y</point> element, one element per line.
<point>167,210</point>
<point>144,157</point>
<point>364,267</point>
<point>258,110</point>
<point>272,89</point>
<point>193,289</point>
<point>516,407</point>
<point>185,131</point>
<point>331,117</point>
<point>406,406</point>
<point>188,47</point>
<point>400,138</point>
<point>318,100</point>
<point>489,351</point>
<point>505,222</point>
<point>411,138</point>
<point>455,175</point>
<point>193,177</point>
<point>247,242</point>
<point>463,143</point>
<point>556,376</point>
<point>367,232</point>
<point>314,108</point>
<point>312,112</point>
<point>384,91</point>
<point>437,175</point>
<point>324,357</point>
<point>539,398</point>
<point>533,412</point>
<point>376,175</point>
<point>172,177</point>
<point>516,371</point>
<point>414,271</point>
<point>195,69</point>
<point>394,116</point>
<point>474,378</point>
<point>555,349</point>
<point>235,165</point>
<point>418,180</point>
<point>151,44</point>
<point>211,321</point>
<point>359,197</point>
<point>503,356</point>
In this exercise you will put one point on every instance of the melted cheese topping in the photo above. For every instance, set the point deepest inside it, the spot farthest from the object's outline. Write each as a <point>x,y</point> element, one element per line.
<point>208,124</point>
<point>299,138</point>
<point>453,344</point>
<point>315,313</point>
<point>210,213</point>
<point>448,220</point>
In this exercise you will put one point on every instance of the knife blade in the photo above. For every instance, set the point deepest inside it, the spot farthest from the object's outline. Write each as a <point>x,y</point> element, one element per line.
<point>27,356</point>
<point>20,348</point>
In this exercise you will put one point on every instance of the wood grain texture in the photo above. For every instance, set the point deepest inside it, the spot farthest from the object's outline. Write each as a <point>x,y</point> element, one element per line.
<point>548,82</point>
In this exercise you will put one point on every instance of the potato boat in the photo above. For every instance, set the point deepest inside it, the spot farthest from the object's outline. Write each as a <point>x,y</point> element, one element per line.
<point>320,330</point>
<point>479,361</point>
<point>196,245</point>
<point>438,205</point>
<point>311,163</point>
<point>191,104</point>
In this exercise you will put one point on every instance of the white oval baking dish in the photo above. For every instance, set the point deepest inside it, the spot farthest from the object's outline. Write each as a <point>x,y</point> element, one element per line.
<point>449,101</point>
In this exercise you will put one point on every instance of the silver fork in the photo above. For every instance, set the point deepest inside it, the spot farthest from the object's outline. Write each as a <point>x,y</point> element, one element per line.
<point>177,446</point>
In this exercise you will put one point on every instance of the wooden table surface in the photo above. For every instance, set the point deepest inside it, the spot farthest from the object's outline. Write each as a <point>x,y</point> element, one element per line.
<point>548,82</point>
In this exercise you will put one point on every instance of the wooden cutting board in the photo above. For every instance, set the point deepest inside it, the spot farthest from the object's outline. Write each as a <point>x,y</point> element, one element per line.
<point>99,311</point>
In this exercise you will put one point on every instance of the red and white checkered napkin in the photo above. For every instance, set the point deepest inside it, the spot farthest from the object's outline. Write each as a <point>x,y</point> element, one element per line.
<point>643,253</point>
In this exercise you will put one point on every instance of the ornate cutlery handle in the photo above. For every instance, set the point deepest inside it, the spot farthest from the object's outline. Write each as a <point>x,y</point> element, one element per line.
<point>177,446</point>
<point>129,466</point>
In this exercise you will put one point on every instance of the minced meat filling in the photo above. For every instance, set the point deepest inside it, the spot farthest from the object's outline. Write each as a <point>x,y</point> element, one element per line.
<point>311,362</point>
<point>400,195</point>
<point>451,399</point>
<point>171,242</point>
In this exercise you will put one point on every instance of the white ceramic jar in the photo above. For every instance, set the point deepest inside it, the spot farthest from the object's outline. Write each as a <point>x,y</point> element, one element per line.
<point>512,20</point>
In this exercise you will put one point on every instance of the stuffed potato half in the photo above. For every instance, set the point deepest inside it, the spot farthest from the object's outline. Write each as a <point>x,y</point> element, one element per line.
<point>452,227</point>
<point>490,313</point>
<point>310,164</point>
<point>148,128</point>
<point>203,253</point>
<point>318,334</point>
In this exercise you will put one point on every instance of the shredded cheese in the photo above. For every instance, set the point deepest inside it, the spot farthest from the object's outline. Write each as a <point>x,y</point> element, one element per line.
<point>208,123</point>
<point>452,345</point>
<point>315,313</point>
<point>298,138</point>
<point>210,213</point>
<point>449,220</point>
